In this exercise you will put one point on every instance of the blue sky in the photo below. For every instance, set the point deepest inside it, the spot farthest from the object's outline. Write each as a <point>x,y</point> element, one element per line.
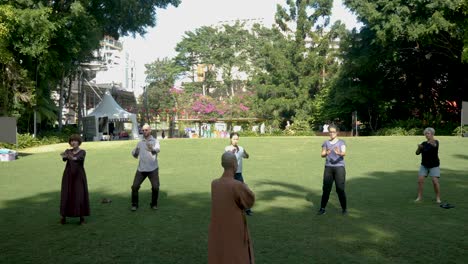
<point>172,23</point>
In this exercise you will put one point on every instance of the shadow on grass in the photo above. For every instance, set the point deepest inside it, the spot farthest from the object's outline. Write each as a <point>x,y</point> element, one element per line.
<point>23,154</point>
<point>384,226</point>
<point>461,156</point>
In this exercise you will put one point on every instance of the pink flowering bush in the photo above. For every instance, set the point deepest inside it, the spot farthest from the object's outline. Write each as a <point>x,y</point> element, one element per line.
<point>205,107</point>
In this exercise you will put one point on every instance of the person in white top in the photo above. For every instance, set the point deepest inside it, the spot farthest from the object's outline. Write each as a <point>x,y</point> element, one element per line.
<point>240,155</point>
<point>147,151</point>
<point>325,128</point>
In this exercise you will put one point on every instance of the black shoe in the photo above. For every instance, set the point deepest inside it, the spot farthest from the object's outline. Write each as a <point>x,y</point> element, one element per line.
<point>321,211</point>
<point>249,212</point>
<point>344,212</point>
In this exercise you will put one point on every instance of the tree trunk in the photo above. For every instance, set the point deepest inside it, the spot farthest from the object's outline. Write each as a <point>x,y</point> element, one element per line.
<point>4,90</point>
<point>60,123</point>
<point>80,101</point>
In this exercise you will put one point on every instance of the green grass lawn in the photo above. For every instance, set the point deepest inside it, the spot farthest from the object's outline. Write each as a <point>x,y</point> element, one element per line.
<point>384,225</point>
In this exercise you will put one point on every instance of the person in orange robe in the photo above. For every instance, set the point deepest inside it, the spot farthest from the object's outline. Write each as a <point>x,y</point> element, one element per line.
<point>229,239</point>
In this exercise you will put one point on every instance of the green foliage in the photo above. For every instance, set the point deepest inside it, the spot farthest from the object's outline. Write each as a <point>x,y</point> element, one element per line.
<point>43,42</point>
<point>398,131</point>
<point>300,126</point>
<point>405,62</point>
<point>46,138</point>
<point>295,61</point>
<point>160,77</point>
<point>249,133</point>
<point>460,130</point>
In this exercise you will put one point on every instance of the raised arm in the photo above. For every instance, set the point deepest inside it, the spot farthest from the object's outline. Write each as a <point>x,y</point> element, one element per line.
<point>136,151</point>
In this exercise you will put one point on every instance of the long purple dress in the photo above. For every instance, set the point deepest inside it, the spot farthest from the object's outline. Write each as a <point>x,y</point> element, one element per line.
<point>74,200</point>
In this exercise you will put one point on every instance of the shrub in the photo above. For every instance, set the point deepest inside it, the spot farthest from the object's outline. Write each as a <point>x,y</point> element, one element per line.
<point>249,133</point>
<point>459,130</point>
<point>44,138</point>
<point>397,131</point>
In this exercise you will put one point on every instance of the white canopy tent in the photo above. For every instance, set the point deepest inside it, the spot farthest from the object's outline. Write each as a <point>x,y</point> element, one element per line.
<point>96,124</point>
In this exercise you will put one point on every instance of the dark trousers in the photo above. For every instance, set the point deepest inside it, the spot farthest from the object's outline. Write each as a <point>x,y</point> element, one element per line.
<point>238,176</point>
<point>140,176</point>
<point>337,175</point>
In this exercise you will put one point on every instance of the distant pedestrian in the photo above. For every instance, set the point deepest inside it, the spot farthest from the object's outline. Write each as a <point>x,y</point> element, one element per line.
<point>325,128</point>
<point>430,163</point>
<point>147,151</point>
<point>333,150</point>
<point>229,239</point>
<point>74,201</point>
<point>262,128</point>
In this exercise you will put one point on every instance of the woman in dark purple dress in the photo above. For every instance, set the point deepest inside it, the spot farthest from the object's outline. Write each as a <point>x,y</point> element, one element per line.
<point>74,200</point>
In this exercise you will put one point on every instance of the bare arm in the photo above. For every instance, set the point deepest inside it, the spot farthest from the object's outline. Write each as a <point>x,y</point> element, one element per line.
<point>419,149</point>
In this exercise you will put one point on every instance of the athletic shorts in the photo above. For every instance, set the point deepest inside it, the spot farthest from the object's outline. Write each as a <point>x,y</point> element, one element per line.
<point>433,172</point>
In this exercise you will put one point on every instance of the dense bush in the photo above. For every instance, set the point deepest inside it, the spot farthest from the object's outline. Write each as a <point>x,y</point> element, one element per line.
<point>45,138</point>
<point>398,131</point>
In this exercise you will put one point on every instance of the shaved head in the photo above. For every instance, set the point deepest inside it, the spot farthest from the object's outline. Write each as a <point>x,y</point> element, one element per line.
<point>146,126</point>
<point>229,160</point>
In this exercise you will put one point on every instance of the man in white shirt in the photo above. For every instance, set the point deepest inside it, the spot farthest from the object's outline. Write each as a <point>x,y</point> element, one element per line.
<point>147,151</point>
<point>240,154</point>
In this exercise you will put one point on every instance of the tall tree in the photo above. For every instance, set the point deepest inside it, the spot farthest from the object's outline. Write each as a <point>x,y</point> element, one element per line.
<point>51,38</point>
<point>160,77</point>
<point>301,60</point>
<point>406,62</point>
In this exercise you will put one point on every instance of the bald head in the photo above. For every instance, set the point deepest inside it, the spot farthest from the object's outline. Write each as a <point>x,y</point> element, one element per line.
<point>146,130</point>
<point>229,160</point>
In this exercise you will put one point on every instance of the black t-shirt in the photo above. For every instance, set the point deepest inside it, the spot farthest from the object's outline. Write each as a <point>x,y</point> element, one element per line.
<point>430,155</point>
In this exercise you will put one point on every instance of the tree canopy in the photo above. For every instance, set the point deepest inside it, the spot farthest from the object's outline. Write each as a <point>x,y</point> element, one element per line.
<point>43,42</point>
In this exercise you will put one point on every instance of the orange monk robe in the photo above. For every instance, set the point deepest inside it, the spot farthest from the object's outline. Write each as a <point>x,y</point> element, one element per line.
<point>229,240</point>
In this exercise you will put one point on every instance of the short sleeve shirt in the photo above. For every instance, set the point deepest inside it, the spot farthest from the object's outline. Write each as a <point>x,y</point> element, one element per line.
<point>333,159</point>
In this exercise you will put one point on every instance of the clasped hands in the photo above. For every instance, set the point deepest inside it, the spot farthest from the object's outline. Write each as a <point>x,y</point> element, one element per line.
<point>336,149</point>
<point>67,154</point>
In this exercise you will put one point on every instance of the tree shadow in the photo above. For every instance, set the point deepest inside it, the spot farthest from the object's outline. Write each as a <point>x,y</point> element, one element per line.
<point>461,156</point>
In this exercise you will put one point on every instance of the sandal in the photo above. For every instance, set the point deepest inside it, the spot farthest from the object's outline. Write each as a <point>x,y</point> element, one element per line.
<point>447,206</point>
